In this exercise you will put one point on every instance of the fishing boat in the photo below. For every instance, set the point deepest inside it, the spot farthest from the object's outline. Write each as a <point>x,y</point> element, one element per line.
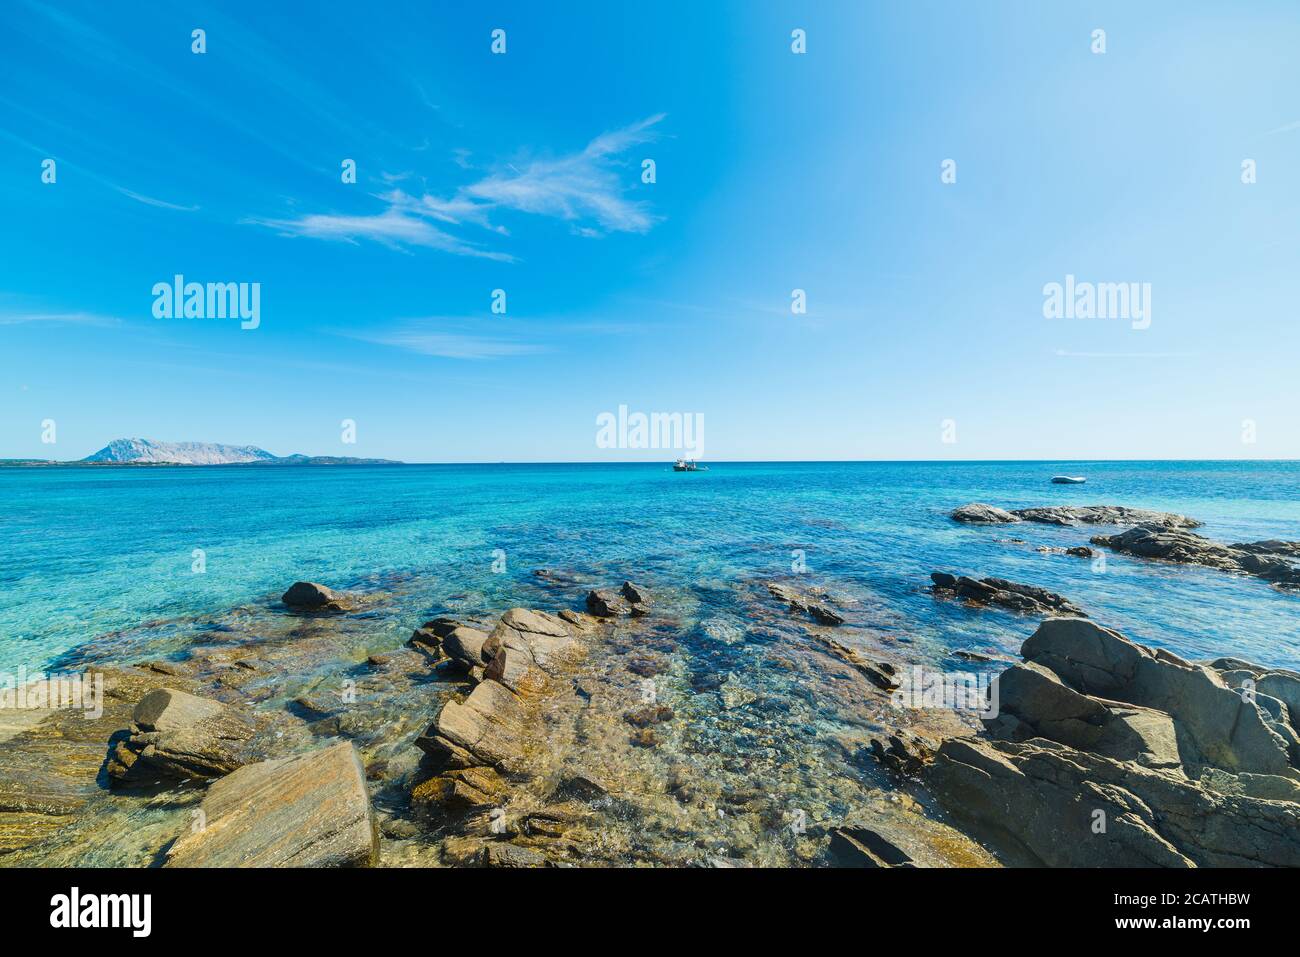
<point>688,465</point>
<point>1068,479</point>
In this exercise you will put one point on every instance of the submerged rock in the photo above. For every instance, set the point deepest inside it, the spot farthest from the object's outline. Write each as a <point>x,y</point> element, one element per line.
<point>807,603</point>
<point>998,591</point>
<point>629,599</point>
<point>306,811</point>
<point>1271,561</point>
<point>180,736</point>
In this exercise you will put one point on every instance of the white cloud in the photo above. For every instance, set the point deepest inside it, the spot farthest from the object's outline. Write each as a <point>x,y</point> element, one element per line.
<point>431,337</point>
<point>393,227</point>
<point>580,188</point>
<point>585,189</point>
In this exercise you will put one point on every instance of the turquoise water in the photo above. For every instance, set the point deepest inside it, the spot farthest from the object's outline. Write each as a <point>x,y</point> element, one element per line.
<point>88,553</point>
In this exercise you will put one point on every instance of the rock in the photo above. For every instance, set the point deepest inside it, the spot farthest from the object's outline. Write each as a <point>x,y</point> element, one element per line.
<point>978,513</point>
<point>1094,729</point>
<point>441,627</point>
<point>1221,728</point>
<point>527,648</point>
<point>647,667</point>
<point>1045,707</point>
<point>806,603</point>
<point>880,674</point>
<point>426,639</point>
<point>1270,547</point>
<point>512,855</point>
<point>1047,797</point>
<point>576,618</point>
<point>635,594</point>
<point>1103,515</point>
<point>735,694</point>
<point>483,730</point>
<point>1080,551</point>
<point>462,790</point>
<point>578,787</point>
<point>1188,548</point>
<point>465,645</point>
<point>606,603</point>
<point>175,735</point>
<point>647,715</point>
<point>905,758</point>
<point>306,811</point>
<point>309,596</point>
<point>998,591</point>
<point>880,833</point>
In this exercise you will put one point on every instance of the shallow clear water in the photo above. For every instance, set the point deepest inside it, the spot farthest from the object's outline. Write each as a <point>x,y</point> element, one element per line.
<point>86,552</point>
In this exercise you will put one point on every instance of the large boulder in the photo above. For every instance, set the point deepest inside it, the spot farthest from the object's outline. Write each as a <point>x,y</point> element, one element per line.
<point>1040,705</point>
<point>309,596</point>
<point>1107,753</point>
<point>1225,729</point>
<point>466,645</point>
<point>483,730</point>
<point>527,647</point>
<point>175,735</point>
<point>1071,808</point>
<point>306,811</point>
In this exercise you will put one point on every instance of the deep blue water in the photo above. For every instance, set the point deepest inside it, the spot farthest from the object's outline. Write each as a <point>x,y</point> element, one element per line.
<point>84,552</point>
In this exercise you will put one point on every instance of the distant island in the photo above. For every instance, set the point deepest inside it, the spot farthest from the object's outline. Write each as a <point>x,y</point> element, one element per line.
<point>141,452</point>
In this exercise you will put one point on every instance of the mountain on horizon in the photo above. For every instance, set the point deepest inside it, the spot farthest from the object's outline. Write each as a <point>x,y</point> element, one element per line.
<point>149,452</point>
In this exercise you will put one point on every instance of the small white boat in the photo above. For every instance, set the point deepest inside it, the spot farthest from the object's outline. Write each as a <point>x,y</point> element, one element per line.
<point>688,465</point>
<point>1068,479</point>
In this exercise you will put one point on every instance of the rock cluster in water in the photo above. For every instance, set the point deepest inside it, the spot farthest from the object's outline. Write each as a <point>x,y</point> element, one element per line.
<point>979,513</point>
<point>1273,561</point>
<point>1029,599</point>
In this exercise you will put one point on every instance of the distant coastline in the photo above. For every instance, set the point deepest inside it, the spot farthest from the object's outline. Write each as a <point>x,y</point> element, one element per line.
<point>138,452</point>
<point>288,461</point>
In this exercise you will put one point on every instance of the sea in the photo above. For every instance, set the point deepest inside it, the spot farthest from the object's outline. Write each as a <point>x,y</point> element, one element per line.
<point>98,554</point>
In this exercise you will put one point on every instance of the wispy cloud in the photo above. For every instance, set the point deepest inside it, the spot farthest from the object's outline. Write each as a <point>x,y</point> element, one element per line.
<point>1285,128</point>
<point>63,318</point>
<point>395,227</point>
<point>582,188</point>
<point>585,189</point>
<point>439,336</point>
<point>150,201</point>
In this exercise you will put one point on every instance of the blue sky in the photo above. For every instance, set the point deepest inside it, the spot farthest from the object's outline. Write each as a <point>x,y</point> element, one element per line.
<point>775,172</point>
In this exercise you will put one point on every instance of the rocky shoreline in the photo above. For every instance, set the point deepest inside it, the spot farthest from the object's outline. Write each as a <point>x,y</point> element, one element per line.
<point>577,735</point>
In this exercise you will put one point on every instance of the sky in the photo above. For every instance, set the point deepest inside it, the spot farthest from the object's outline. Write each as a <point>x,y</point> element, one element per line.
<point>924,335</point>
